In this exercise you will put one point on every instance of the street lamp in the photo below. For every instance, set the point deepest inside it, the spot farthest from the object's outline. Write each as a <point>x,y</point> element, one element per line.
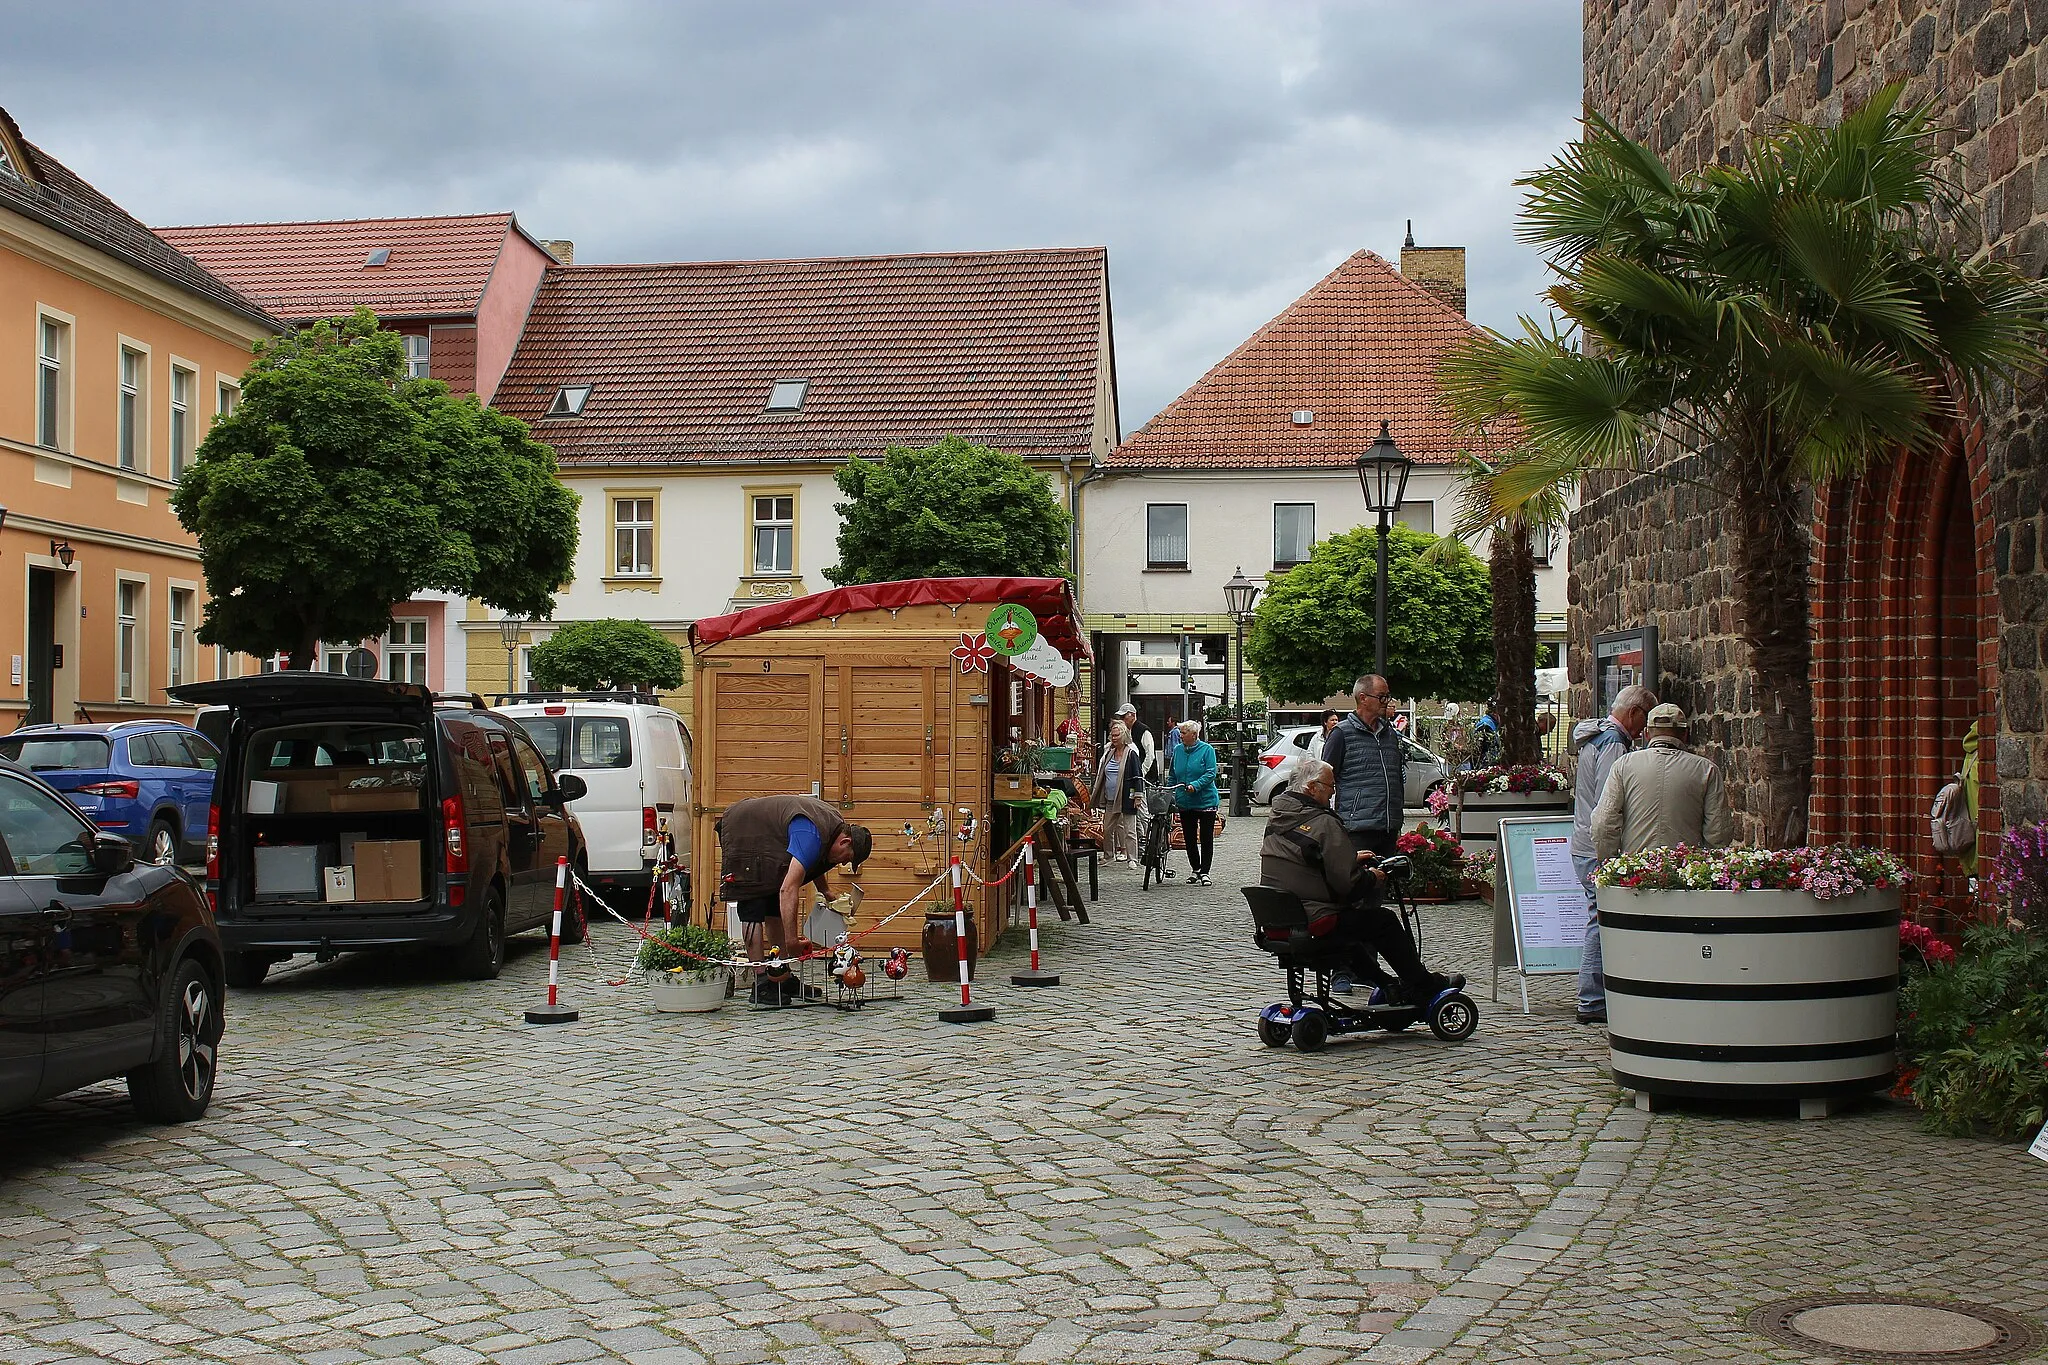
<point>509,630</point>
<point>1239,594</point>
<point>1383,474</point>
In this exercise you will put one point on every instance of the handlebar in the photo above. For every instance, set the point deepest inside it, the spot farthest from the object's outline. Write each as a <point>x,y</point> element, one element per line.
<point>1397,867</point>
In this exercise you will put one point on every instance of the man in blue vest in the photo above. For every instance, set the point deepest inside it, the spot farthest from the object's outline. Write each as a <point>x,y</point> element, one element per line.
<point>1600,744</point>
<point>1366,752</point>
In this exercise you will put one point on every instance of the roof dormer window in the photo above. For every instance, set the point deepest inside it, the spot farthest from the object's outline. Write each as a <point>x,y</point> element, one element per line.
<point>1304,417</point>
<point>788,395</point>
<point>569,400</point>
<point>379,255</point>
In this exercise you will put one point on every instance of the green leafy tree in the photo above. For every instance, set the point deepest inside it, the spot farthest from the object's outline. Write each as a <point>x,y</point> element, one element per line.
<point>608,655</point>
<point>954,509</point>
<point>1785,322</point>
<point>339,486</point>
<point>1313,631</point>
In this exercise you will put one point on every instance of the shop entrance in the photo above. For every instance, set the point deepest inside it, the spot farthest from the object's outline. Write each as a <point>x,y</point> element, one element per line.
<point>42,646</point>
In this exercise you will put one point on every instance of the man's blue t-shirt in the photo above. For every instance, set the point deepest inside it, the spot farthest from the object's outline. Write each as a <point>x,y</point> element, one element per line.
<point>804,843</point>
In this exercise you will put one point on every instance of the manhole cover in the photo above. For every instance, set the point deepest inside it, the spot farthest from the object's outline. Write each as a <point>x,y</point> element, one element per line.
<point>1881,1327</point>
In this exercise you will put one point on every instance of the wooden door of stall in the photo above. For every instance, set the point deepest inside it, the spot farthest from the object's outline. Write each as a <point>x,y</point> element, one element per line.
<point>889,739</point>
<point>763,740</point>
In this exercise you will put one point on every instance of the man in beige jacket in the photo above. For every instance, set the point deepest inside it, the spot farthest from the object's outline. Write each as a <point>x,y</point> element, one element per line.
<point>1660,795</point>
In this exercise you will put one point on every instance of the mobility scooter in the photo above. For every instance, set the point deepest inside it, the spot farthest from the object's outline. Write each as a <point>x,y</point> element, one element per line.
<point>1312,950</point>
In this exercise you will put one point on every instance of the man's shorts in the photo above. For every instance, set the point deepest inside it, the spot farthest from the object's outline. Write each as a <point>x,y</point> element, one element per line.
<point>759,909</point>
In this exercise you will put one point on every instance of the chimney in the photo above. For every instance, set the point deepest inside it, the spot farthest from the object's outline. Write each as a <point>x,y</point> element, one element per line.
<point>1439,269</point>
<point>565,252</point>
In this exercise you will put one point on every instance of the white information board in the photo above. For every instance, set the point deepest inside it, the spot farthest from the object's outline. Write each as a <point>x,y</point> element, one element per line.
<point>1539,907</point>
<point>2040,1147</point>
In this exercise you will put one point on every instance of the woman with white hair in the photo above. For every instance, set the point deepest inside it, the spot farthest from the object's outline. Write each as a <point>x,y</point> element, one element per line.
<point>1195,795</point>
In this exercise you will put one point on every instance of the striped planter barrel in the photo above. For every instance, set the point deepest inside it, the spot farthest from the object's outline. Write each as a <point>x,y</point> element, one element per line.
<point>1766,994</point>
<point>1480,824</point>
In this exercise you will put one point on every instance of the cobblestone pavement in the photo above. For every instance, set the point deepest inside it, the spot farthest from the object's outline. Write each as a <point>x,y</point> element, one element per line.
<point>397,1168</point>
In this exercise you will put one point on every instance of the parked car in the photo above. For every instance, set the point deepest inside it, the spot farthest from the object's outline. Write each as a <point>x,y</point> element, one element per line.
<point>634,756</point>
<point>355,814</point>
<point>108,966</point>
<point>149,781</point>
<point>1424,773</point>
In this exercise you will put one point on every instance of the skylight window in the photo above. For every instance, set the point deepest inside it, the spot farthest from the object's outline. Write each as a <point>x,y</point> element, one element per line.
<point>379,255</point>
<point>788,395</point>
<point>1304,417</point>
<point>569,400</point>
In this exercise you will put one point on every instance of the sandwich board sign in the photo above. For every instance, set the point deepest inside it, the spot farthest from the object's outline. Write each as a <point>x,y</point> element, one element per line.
<point>1539,907</point>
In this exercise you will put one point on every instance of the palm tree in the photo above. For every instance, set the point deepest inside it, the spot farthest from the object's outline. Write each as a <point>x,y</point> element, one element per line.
<point>1786,322</point>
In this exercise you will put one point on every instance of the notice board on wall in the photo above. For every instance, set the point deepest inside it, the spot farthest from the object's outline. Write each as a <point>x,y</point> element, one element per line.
<point>1539,907</point>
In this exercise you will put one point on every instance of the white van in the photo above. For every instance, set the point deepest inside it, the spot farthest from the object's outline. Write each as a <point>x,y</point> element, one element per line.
<point>634,755</point>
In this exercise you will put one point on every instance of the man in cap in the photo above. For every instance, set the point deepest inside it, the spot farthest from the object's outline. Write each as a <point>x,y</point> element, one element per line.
<point>769,849</point>
<point>1140,736</point>
<point>1661,795</point>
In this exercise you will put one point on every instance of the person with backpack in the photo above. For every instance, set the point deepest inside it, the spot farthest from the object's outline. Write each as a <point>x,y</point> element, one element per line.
<point>1954,817</point>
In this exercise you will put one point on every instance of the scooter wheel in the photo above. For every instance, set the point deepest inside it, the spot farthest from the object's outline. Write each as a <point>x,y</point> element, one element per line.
<point>1454,1018</point>
<point>1311,1031</point>
<point>1273,1033</point>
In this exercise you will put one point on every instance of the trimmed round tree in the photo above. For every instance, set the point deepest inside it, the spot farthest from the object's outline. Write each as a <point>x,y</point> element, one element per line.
<point>949,510</point>
<point>606,656</point>
<point>1313,633</point>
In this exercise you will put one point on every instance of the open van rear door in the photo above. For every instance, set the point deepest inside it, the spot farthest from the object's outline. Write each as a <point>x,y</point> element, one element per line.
<point>293,693</point>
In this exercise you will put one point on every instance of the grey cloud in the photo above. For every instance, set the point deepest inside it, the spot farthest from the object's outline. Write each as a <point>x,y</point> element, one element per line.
<point>1227,155</point>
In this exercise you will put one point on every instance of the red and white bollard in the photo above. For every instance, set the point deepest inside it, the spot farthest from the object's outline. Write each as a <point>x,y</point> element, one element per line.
<point>967,1012</point>
<point>1034,977</point>
<point>555,1012</point>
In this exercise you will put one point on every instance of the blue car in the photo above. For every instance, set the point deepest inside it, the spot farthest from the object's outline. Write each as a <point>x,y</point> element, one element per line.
<point>149,781</point>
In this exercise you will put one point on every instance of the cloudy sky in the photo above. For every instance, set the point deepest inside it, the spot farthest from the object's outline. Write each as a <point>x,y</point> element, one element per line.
<point>1227,154</point>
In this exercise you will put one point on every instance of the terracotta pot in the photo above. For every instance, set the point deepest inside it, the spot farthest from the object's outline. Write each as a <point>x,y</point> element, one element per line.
<point>942,947</point>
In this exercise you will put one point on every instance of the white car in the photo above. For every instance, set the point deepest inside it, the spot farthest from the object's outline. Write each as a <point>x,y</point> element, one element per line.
<point>634,755</point>
<point>1277,764</point>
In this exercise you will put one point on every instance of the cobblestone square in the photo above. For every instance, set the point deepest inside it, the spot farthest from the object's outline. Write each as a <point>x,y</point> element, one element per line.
<point>397,1168</point>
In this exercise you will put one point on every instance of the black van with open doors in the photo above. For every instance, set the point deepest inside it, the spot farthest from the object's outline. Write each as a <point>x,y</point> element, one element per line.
<point>353,814</point>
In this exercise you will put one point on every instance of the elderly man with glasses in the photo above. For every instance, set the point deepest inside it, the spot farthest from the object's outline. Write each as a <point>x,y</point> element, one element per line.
<point>1365,749</point>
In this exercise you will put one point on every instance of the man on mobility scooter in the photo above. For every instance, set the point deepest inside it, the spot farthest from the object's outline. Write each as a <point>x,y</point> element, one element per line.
<point>1318,909</point>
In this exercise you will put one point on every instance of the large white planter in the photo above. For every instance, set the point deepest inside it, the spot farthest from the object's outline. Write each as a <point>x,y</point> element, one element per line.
<point>676,995</point>
<point>1750,993</point>
<point>1485,810</point>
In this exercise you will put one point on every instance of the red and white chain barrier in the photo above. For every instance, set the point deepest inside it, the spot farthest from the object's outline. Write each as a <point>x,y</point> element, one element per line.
<point>967,1012</point>
<point>1035,976</point>
<point>555,1012</point>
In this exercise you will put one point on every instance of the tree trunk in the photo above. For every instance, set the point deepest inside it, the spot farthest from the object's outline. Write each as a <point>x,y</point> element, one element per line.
<point>306,653</point>
<point>1511,563</point>
<point>1771,583</point>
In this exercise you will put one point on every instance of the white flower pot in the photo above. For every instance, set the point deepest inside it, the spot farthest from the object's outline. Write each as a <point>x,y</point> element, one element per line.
<point>673,994</point>
<point>1485,810</point>
<point>1758,993</point>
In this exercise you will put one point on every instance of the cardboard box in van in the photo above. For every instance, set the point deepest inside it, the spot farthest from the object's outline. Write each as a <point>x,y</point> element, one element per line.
<point>388,870</point>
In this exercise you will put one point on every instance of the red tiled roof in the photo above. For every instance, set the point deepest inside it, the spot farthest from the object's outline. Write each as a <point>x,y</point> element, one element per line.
<point>56,197</point>
<point>1361,346</point>
<point>438,266</point>
<point>999,347</point>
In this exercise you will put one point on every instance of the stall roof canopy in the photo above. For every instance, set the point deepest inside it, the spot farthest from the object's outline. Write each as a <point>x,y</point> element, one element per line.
<point>1051,600</point>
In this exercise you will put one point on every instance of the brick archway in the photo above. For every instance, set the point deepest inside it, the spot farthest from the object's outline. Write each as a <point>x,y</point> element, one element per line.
<point>1905,656</point>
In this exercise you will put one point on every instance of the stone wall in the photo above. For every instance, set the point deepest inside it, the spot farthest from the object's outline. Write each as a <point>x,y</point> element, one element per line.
<point>1695,79</point>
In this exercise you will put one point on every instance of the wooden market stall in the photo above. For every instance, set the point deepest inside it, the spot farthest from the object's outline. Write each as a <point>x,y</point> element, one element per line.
<point>888,700</point>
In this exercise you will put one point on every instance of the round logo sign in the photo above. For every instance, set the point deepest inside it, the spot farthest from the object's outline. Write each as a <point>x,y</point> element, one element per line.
<point>1011,630</point>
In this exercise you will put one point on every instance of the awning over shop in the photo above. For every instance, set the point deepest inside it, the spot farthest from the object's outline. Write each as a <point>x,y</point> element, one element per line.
<point>1051,600</point>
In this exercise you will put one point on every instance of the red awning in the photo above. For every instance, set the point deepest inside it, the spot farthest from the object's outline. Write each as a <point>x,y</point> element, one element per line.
<point>1051,600</point>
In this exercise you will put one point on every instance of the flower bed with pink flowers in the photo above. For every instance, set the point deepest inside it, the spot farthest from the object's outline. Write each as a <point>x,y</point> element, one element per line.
<point>1521,780</point>
<point>1825,873</point>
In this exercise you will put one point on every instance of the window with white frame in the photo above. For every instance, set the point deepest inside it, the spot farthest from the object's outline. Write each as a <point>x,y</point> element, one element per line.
<point>417,357</point>
<point>1417,516</point>
<point>633,536</point>
<point>524,682</point>
<point>775,533</point>
<point>181,419</point>
<point>1166,535</point>
<point>1294,533</point>
<point>334,658</point>
<point>276,663</point>
<point>134,375</point>
<point>53,352</point>
<point>128,634</point>
<point>226,398</point>
<point>180,641</point>
<point>405,651</point>
<point>1542,543</point>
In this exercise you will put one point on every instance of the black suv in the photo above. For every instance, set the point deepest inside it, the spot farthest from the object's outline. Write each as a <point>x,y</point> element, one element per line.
<point>108,967</point>
<point>350,814</point>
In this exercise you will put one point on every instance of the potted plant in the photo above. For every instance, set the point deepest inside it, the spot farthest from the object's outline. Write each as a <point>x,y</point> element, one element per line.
<point>1437,859</point>
<point>1752,972</point>
<point>684,966</point>
<point>1479,872</point>
<point>1480,797</point>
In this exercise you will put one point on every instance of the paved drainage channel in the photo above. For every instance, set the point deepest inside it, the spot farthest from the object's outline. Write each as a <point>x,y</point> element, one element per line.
<point>1872,1327</point>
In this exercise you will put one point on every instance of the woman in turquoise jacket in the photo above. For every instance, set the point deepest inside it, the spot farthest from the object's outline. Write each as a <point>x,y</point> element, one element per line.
<point>1194,776</point>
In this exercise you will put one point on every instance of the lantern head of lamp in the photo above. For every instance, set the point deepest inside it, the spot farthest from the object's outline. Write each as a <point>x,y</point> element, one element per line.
<point>1238,596</point>
<point>509,630</point>
<point>63,551</point>
<point>1383,474</point>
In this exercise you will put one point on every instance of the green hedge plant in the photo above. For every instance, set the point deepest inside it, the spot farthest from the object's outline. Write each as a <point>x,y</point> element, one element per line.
<point>680,948</point>
<point>1973,1034</point>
